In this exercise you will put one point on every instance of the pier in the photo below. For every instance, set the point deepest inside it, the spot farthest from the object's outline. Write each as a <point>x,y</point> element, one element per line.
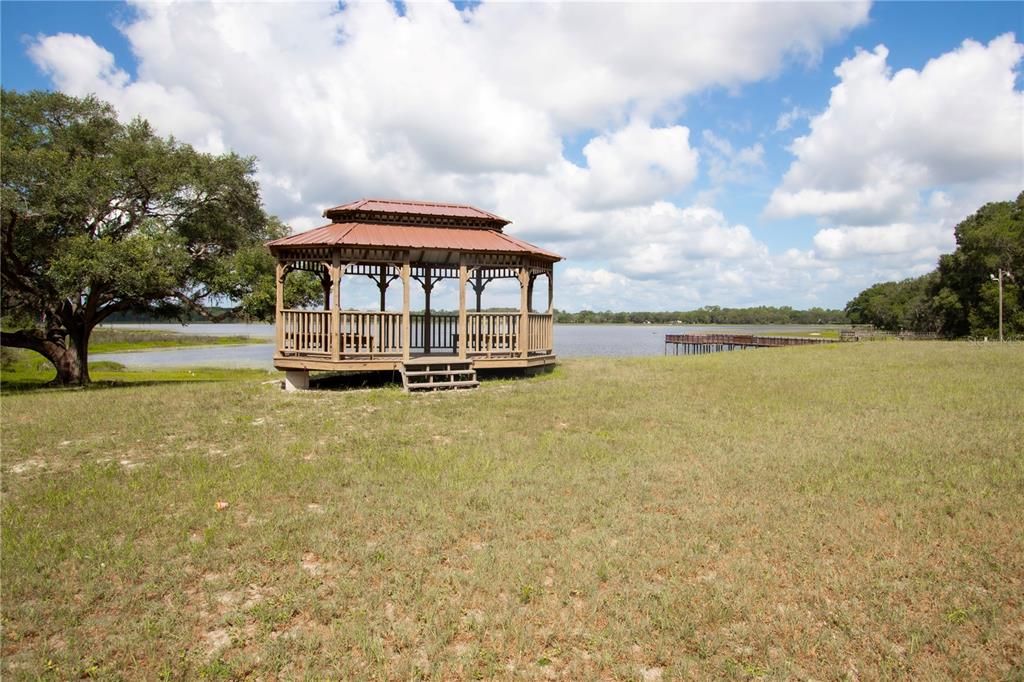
<point>698,344</point>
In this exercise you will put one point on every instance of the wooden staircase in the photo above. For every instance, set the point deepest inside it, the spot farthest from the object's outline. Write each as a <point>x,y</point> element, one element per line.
<point>434,374</point>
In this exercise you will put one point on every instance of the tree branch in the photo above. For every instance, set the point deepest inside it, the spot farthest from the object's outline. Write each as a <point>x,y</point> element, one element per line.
<point>47,343</point>
<point>108,309</point>
<point>202,311</point>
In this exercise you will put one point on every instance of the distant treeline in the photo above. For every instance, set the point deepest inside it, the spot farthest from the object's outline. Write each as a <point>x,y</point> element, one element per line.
<point>960,297</point>
<point>709,315</point>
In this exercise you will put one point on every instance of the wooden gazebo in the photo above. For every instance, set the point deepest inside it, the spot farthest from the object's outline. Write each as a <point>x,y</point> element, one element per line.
<point>426,242</point>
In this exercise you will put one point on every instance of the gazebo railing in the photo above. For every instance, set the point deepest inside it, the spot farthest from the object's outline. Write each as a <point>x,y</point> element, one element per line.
<point>444,332</point>
<point>308,332</point>
<point>541,332</point>
<point>305,331</point>
<point>376,333</point>
<point>492,332</point>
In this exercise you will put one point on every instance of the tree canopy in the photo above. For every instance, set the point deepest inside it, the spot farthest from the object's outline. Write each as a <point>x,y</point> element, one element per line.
<point>100,216</point>
<point>959,298</point>
<point>895,306</point>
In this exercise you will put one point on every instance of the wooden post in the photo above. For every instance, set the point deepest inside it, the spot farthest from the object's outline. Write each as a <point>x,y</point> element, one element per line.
<point>406,330</point>
<point>342,269</point>
<point>551,291</point>
<point>529,292</point>
<point>427,286</point>
<point>479,287</point>
<point>383,286</point>
<point>279,305</point>
<point>551,309</point>
<point>327,285</point>
<point>335,305</point>
<point>463,319</point>
<point>522,338</point>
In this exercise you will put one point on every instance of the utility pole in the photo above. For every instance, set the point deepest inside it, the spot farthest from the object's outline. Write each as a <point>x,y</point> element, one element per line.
<point>1000,278</point>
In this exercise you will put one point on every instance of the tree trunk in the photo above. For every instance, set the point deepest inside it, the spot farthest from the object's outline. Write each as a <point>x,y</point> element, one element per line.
<point>69,368</point>
<point>80,349</point>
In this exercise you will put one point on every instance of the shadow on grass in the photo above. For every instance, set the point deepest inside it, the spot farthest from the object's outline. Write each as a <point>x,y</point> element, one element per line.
<point>26,378</point>
<point>488,375</point>
<point>349,381</point>
<point>326,381</point>
<point>30,386</point>
<point>356,380</point>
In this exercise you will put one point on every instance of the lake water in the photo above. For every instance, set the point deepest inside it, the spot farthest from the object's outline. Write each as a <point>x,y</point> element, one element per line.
<point>571,340</point>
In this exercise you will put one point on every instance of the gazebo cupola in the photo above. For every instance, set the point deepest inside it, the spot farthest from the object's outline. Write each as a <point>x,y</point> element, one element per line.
<point>420,241</point>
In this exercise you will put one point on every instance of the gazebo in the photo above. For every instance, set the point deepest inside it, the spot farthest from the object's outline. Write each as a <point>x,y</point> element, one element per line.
<point>387,240</point>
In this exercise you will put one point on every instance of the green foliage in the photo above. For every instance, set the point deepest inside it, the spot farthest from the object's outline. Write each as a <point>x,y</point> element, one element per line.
<point>708,315</point>
<point>991,239</point>
<point>102,217</point>
<point>960,297</point>
<point>138,265</point>
<point>896,306</point>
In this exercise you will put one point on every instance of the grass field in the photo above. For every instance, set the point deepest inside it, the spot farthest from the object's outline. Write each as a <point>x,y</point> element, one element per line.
<point>828,512</point>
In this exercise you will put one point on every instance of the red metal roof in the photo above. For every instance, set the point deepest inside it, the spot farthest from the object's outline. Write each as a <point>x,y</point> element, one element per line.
<point>412,237</point>
<point>423,208</point>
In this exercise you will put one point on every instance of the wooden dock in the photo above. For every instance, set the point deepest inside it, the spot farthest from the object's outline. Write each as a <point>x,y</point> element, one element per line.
<point>698,344</point>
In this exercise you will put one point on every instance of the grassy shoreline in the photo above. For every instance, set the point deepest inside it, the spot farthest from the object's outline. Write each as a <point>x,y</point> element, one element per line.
<point>819,512</point>
<point>109,340</point>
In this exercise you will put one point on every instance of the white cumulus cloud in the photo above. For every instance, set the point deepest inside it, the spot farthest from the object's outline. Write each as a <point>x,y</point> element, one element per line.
<point>919,241</point>
<point>638,164</point>
<point>887,137</point>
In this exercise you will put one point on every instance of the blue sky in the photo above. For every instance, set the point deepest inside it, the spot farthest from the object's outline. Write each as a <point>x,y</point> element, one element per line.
<point>660,163</point>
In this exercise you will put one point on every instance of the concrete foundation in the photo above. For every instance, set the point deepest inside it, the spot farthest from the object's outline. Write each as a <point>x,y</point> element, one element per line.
<point>296,380</point>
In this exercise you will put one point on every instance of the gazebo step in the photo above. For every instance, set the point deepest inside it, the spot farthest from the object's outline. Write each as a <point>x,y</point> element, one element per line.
<point>438,372</point>
<point>441,385</point>
<point>430,375</point>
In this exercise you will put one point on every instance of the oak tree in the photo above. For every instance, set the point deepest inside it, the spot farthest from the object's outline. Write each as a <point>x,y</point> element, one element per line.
<point>100,216</point>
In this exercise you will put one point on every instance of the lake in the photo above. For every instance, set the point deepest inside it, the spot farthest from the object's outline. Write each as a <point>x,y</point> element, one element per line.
<point>571,340</point>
